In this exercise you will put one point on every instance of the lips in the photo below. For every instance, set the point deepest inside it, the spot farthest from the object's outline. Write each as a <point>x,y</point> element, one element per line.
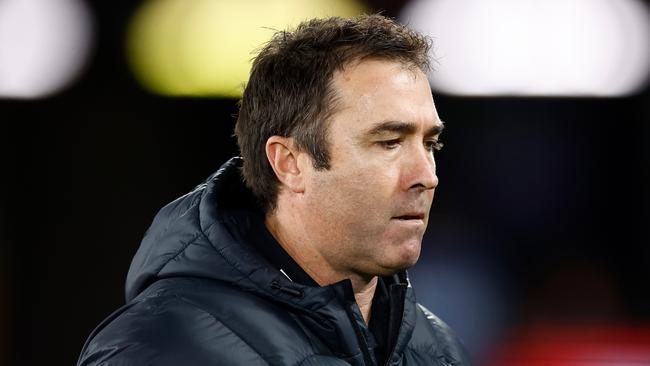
<point>410,216</point>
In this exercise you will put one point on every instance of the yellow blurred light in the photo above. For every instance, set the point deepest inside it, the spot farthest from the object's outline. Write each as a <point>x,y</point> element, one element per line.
<point>205,47</point>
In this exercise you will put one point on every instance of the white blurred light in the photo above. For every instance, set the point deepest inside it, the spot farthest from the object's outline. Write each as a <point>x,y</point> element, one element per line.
<point>43,45</point>
<point>532,47</point>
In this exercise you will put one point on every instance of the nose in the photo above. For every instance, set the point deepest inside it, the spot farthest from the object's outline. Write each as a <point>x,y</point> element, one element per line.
<point>420,171</point>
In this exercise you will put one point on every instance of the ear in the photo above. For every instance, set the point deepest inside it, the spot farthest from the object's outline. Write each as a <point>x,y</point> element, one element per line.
<point>283,157</point>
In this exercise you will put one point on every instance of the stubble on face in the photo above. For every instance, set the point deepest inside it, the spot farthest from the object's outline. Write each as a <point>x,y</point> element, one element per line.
<point>353,206</point>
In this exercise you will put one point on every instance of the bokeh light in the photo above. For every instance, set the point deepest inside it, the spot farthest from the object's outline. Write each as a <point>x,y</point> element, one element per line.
<point>205,47</point>
<point>44,44</point>
<point>529,47</point>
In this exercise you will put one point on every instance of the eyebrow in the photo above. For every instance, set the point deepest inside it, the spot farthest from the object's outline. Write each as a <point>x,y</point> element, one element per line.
<point>403,128</point>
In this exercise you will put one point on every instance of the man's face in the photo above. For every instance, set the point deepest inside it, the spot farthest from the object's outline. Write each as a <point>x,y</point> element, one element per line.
<point>368,213</point>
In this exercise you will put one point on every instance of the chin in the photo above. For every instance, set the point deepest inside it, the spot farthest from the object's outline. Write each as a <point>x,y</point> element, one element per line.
<point>405,258</point>
<point>408,262</point>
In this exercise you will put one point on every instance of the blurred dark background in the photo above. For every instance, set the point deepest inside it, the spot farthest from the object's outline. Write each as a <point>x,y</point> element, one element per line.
<point>541,217</point>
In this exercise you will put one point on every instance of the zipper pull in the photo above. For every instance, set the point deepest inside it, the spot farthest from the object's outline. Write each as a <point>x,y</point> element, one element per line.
<point>290,291</point>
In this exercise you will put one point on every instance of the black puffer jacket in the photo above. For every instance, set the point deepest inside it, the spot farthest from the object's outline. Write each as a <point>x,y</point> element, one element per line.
<point>197,295</point>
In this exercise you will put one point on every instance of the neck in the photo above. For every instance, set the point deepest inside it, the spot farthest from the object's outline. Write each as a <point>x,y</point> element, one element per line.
<point>363,294</point>
<point>300,247</point>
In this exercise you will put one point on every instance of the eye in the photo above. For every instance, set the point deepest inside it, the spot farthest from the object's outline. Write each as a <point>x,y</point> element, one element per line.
<point>433,145</point>
<point>390,144</point>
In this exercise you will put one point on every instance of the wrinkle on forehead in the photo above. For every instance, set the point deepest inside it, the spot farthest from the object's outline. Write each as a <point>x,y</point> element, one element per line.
<point>345,74</point>
<point>376,91</point>
<point>347,82</point>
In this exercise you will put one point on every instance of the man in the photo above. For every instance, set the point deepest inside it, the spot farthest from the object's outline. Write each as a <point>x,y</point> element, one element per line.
<point>304,264</point>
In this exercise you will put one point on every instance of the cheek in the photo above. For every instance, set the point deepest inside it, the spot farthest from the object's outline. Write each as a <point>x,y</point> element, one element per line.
<point>365,187</point>
<point>359,196</point>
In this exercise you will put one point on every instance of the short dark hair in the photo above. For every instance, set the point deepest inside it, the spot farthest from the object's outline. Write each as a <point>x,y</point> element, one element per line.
<point>290,92</point>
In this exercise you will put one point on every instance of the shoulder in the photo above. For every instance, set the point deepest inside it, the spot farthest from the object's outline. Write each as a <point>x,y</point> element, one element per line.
<point>195,322</point>
<point>433,336</point>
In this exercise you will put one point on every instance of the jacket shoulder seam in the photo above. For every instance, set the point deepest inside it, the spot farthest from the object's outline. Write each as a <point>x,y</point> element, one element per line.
<point>179,252</point>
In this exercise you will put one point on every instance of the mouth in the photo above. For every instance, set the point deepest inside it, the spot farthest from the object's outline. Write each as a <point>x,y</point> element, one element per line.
<point>410,216</point>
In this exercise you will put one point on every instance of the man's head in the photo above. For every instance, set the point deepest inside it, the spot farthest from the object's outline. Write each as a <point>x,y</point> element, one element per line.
<point>341,146</point>
<point>290,91</point>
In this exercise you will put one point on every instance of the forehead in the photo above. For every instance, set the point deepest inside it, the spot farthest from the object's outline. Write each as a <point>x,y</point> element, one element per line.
<point>375,91</point>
